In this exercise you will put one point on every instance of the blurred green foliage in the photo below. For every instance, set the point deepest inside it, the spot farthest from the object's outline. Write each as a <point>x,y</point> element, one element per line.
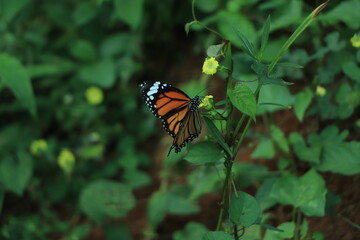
<point>69,72</point>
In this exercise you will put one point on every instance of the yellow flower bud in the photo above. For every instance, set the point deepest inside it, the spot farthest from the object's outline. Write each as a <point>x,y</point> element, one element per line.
<point>355,41</point>
<point>37,147</point>
<point>207,103</point>
<point>66,160</point>
<point>94,95</point>
<point>210,66</point>
<point>321,91</point>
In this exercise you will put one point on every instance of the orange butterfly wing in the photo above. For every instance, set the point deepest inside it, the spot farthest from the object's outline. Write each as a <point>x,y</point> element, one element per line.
<point>179,113</point>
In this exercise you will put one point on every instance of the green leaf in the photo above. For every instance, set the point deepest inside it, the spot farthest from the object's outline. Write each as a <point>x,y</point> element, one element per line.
<point>264,37</point>
<point>192,230</point>
<point>59,67</point>
<point>80,231</point>
<point>15,172</point>
<point>248,174</point>
<point>345,11</point>
<point>265,149</point>
<point>84,12</point>
<point>286,233</point>
<point>302,102</point>
<point>130,12</point>
<point>304,229</point>
<point>307,192</point>
<point>204,152</point>
<point>101,73</point>
<point>288,13</point>
<point>227,21</point>
<point>207,5</point>
<point>264,78</point>
<point>217,235</point>
<point>203,180</point>
<point>217,135</point>
<point>9,9</point>
<point>163,202</point>
<point>276,95</point>
<point>157,208</point>
<point>351,70</point>
<point>83,50</point>
<point>247,46</point>
<point>243,99</point>
<point>263,193</point>
<point>14,75</point>
<point>278,136</point>
<point>318,236</point>
<point>309,19</point>
<point>101,199</point>
<point>181,205</point>
<point>341,158</point>
<point>307,153</point>
<point>117,231</point>
<point>244,209</point>
<point>214,50</point>
<point>188,26</point>
<point>136,179</point>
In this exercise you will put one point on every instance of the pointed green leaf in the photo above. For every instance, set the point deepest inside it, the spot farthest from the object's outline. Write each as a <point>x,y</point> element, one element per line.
<point>214,50</point>
<point>14,75</point>
<point>243,99</point>
<point>244,209</point>
<point>15,172</point>
<point>302,101</point>
<point>306,192</point>
<point>341,158</point>
<point>188,26</point>
<point>131,12</point>
<point>204,152</point>
<point>309,19</point>
<point>265,36</point>
<point>248,47</point>
<point>217,135</point>
<point>157,207</point>
<point>265,149</point>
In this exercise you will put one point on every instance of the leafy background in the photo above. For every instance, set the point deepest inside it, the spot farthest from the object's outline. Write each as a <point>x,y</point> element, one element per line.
<point>100,172</point>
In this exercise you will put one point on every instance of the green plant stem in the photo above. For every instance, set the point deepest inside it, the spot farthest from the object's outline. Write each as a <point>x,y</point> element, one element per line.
<point>239,124</point>
<point>297,219</point>
<point>200,23</point>
<point>228,163</point>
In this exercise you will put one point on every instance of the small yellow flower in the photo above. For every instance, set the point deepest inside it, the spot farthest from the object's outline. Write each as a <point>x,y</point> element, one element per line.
<point>355,41</point>
<point>207,103</point>
<point>66,160</point>
<point>210,66</point>
<point>94,95</point>
<point>321,91</point>
<point>37,147</point>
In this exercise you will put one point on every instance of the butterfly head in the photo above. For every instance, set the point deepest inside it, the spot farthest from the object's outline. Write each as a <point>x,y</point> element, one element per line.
<point>194,103</point>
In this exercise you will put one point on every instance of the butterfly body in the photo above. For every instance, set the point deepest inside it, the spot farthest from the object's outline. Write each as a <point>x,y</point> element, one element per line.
<point>179,113</point>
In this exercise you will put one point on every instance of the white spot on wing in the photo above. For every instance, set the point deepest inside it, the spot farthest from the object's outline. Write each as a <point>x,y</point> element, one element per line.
<point>151,92</point>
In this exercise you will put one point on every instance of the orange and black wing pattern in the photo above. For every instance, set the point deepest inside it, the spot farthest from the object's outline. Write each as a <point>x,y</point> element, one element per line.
<point>179,113</point>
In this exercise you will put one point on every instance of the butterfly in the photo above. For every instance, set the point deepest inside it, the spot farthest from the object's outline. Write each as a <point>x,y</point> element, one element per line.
<point>179,113</point>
